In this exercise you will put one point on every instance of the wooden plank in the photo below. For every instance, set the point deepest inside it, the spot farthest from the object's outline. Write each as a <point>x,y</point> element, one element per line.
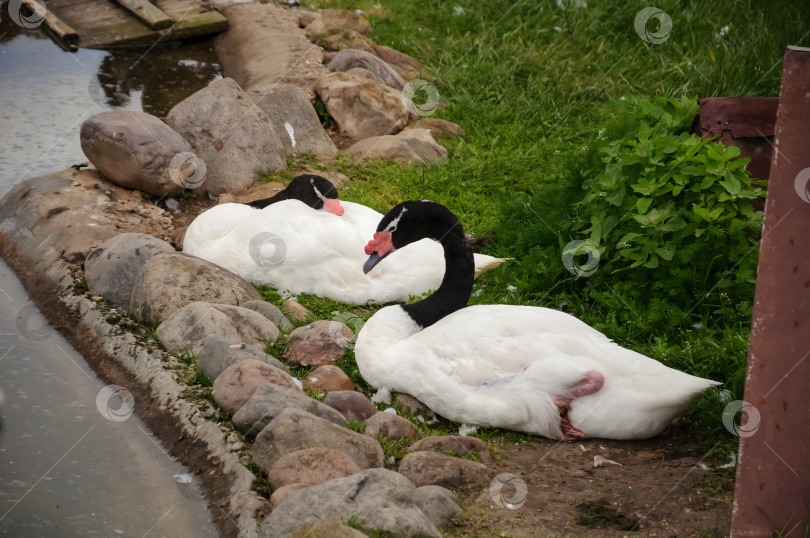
<point>772,493</point>
<point>148,13</point>
<point>104,24</point>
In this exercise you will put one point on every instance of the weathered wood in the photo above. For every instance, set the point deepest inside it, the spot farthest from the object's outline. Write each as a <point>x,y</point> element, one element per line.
<point>772,492</point>
<point>147,12</point>
<point>105,24</point>
<point>60,30</point>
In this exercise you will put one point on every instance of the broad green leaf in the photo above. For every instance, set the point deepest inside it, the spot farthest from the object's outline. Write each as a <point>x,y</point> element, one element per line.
<point>674,224</point>
<point>665,252</point>
<point>643,204</point>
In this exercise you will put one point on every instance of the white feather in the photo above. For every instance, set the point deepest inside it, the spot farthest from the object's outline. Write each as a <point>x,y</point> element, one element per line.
<point>502,365</point>
<point>323,253</point>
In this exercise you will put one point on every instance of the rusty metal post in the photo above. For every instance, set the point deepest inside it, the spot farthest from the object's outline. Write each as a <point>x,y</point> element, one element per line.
<point>773,474</point>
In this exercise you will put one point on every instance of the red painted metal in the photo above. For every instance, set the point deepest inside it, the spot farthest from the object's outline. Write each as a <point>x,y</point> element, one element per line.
<point>773,474</point>
<point>746,122</point>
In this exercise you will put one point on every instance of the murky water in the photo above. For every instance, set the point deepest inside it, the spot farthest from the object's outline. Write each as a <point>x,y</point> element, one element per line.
<point>46,93</point>
<point>69,464</point>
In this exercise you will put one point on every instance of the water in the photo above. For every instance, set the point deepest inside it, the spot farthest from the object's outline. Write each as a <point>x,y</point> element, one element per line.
<point>46,93</point>
<point>70,467</point>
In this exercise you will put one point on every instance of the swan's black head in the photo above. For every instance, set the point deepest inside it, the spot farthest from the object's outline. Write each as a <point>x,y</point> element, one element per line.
<point>409,222</point>
<point>315,191</point>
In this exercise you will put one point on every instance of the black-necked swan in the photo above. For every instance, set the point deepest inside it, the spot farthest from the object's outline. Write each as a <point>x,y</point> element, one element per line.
<point>523,368</point>
<point>303,240</point>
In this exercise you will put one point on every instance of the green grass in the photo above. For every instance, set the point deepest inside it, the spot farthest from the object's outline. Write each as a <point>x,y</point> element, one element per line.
<point>528,82</point>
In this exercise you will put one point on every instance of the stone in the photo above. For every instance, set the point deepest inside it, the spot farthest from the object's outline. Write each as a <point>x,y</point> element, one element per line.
<point>348,39</point>
<point>438,503</point>
<point>375,498</point>
<point>219,352</point>
<point>454,445</point>
<point>352,405</point>
<point>178,234</point>
<point>362,108</point>
<point>110,269</point>
<point>233,136</point>
<point>414,146</point>
<point>64,215</point>
<point>186,329</point>
<point>294,429</point>
<point>295,121</point>
<point>344,19</point>
<point>438,128</point>
<point>327,378</point>
<point>433,468</point>
<point>295,310</point>
<point>321,342</point>
<point>258,191</point>
<point>362,72</point>
<point>390,427</point>
<point>171,280</point>
<point>329,527</point>
<point>281,494</point>
<point>237,383</point>
<point>271,312</point>
<point>135,150</point>
<point>265,45</point>
<point>413,406</point>
<point>407,66</point>
<point>350,58</point>
<point>311,466</point>
<point>269,400</point>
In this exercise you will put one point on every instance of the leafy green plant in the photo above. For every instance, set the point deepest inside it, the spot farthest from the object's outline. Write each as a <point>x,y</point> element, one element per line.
<point>666,195</point>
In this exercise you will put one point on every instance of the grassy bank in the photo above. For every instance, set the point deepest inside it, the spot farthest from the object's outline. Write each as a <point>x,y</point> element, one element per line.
<point>529,82</point>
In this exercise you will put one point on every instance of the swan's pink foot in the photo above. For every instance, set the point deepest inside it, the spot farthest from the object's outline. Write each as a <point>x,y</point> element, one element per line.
<point>570,433</point>
<point>593,382</point>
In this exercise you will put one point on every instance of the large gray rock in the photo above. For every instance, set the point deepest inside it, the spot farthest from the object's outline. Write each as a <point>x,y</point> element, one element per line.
<point>295,121</point>
<point>321,342</point>
<point>438,503</point>
<point>271,312</point>
<point>186,329</point>
<point>135,150</point>
<point>64,215</point>
<point>414,146</point>
<point>350,58</point>
<point>169,281</point>
<point>294,429</point>
<point>434,468</point>
<point>237,384</point>
<point>438,128</point>
<point>269,400</point>
<point>311,466</point>
<point>407,66</point>
<point>377,498</point>
<point>362,107</point>
<point>230,133</point>
<point>218,353</point>
<point>110,269</point>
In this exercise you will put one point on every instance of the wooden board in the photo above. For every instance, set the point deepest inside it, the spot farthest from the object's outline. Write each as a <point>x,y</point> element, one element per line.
<point>104,24</point>
<point>148,13</point>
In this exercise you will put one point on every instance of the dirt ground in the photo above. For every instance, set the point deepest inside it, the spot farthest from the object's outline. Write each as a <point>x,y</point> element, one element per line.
<point>660,489</point>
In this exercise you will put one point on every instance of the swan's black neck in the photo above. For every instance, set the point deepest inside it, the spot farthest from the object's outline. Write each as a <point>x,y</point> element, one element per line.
<point>264,202</point>
<point>456,286</point>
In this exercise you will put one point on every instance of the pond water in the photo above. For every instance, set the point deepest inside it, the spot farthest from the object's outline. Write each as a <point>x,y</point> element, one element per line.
<point>69,464</point>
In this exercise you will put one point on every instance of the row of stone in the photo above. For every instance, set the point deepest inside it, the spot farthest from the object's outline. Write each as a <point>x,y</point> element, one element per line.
<point>219,139</point>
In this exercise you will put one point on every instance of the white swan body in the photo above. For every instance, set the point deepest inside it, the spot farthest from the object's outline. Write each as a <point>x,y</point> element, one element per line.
<point>503,366</point>
<point>301,250</point>
<point>523,368</point>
